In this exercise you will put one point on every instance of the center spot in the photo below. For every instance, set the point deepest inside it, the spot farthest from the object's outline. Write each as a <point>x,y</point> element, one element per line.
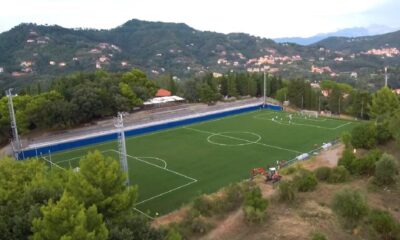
<point>234,138</point>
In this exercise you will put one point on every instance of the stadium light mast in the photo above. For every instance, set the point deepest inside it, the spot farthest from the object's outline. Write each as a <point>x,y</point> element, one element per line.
<point>119,123</point>
<point>15,141</point>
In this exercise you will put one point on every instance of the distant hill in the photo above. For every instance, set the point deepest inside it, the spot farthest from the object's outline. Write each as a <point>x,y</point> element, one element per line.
<point>347,32</point>
<point>359,44</point>
<point>32,54</point>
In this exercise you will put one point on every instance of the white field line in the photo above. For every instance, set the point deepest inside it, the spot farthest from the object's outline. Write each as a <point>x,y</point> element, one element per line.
<point>261,116</point>
<point>309,125</point>
<point>145,214</point>
<point>52,163</point>
<point>159,159</point>
<point>342,125</point>
<point>164,193</point>
<point>298,124</point>
<point>240,139</point>
<point>192,180</point>
<point>71,159</point>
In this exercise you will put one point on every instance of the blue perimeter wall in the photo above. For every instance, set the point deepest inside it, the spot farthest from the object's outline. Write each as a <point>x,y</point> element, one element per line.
<point>113,136</point>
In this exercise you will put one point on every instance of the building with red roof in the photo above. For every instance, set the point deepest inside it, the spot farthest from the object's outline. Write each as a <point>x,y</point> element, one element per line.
<point>163,93</point>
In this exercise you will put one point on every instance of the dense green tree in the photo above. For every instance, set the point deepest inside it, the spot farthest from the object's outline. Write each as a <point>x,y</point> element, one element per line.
<point>206,93</point>
<point>359,104</point>
<point>335,100</point>
<point>393,126</point>
<point>296,92</point>
<point>24,188</point>
<point>67,219</point>
<point>232,90</point>
<point>190,90</point>
<point>281,94</point>
<point>384,104</point>
<point>133,226</point>
<point>364,136</point>
<point>101,182</point>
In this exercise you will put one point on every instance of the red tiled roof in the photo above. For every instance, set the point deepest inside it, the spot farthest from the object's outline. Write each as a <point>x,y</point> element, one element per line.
<point>163,93</point>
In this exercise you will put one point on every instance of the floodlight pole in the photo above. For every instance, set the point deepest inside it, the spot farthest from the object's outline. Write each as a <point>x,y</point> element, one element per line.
<point>15,141</point>
<point>119,123</point>
<point>265,90</point>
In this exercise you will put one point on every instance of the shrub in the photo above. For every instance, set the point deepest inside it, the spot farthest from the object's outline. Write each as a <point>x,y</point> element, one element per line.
<point>305,181</point>
<point>234,196</point>
<point>346,139</point>
<point>173,234</point>
<point>383,134</point>
<point>364,136</point>
<point>253,215</point>
<point>291,169</point>
<point>318,236</point>
<point>350,205</point>
<point>346,160</point>
<point>194,223</point>
<point>384,223</point>
<point>204,205</point>
<point>287,191</point>
<point>366,164</point>
<point>255,206</point>
<point>338,175</point>
<point>385,170</point>
<point>323,173</point>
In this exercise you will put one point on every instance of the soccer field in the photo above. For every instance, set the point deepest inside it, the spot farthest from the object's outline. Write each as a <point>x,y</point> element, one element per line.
<point>173,166</point>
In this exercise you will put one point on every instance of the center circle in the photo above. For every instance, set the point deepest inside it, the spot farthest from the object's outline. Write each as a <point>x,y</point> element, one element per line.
<point>229,138</point>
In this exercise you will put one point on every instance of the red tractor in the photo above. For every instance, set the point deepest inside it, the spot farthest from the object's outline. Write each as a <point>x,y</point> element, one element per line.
<point>270,175</point>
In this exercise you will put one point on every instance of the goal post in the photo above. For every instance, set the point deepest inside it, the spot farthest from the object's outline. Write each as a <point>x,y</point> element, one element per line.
<point>309,113</point>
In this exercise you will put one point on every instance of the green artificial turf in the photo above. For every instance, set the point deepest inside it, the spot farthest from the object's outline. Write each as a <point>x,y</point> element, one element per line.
<point>173,166</point>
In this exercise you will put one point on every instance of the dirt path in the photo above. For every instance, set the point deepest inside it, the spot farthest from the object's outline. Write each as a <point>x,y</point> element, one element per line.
<point>328,158</point>
<point>230,227</point>
<point>174,216</point>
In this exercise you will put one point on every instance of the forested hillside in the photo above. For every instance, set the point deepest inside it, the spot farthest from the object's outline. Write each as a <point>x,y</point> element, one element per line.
<point>32,54</point>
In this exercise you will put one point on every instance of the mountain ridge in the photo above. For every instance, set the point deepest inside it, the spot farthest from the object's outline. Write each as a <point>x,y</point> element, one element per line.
<point>34,53</point>
<point>346,32</point>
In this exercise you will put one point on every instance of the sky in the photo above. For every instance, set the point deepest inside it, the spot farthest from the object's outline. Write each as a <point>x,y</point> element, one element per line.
<point>264,18</point>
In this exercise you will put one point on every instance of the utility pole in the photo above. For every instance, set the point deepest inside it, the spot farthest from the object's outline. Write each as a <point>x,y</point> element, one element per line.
<point>302,102</point>
<point>339,105</point>
<point>15,141</point>
<point>265,90</point>
<point>119,124</point>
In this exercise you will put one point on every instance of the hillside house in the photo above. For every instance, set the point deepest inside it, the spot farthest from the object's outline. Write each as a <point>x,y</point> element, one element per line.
<point>163,93</point>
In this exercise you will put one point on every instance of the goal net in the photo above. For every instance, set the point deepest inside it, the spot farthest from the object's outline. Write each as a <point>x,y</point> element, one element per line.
<point>309,113</point>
